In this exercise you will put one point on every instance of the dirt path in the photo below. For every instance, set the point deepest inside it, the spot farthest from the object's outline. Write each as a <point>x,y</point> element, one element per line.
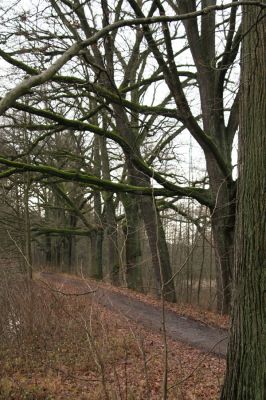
<point>194,333</point>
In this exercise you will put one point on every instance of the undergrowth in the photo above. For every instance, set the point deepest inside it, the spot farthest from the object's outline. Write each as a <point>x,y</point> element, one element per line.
<point>57,346</point>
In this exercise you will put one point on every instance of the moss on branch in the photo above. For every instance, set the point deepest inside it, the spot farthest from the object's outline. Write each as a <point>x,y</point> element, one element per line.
<point>59,231</point>
<point>201,195</point>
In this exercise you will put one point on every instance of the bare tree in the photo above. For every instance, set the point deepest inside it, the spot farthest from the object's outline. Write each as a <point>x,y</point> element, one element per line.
<point>69,35</point>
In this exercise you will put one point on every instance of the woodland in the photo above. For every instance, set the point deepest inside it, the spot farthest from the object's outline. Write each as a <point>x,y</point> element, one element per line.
<point>132,155</point>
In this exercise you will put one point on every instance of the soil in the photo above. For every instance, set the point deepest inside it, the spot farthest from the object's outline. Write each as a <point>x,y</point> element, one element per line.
<point>209,339</point>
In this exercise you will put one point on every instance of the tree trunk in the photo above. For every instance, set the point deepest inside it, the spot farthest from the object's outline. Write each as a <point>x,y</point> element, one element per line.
<point>223,228</point>
<point>224,258</point>
<point>223,223</point>
<point>48,249</point>
<point>72,245</point>
<point>156,236</point>
<point>133,252</point>
<point>28,249</point>
<point>95,267</point>
<point>110,223</point>
<point>96,236</point>
<point>158,247</point>
<point>245,372</point>
<point>112,240</point>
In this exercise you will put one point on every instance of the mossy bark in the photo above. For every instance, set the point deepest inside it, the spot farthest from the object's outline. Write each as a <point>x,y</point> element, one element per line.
<point>245,374</point>
<point>131,229</point>
<point>109,222</point>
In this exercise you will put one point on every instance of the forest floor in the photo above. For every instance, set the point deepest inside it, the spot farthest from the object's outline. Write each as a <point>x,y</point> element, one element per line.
<point>73,338</point>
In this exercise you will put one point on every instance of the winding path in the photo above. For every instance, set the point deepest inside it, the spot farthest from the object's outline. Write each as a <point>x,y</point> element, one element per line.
<point>207,338</point>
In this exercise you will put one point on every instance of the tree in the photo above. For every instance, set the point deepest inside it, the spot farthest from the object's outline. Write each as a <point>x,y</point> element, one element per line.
<point>120,83</point>
<point>245,375</point>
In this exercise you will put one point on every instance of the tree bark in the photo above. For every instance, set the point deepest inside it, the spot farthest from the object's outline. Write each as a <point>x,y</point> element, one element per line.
<point>245,372</point>
<point>110,224</point>
<point>28,249</point>
<point>223,226</point>
<point>95,267</point>
<point>114,262</point>
<point>158,247</point>
<point>133,251</point>
<point>96,236</point>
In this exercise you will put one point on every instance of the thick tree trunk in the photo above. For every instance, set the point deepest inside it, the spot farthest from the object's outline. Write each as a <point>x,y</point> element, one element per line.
<point>95,267</point>
<point>223,226</point>
<point>156,237</point>
<point>114,262</point>
<point>110,224</point>
<point>132,239</point>
<point>28,249</point>
<point>96,235</point>
<point>245,372</point>
<point>223,237</point>
<point>48,249</point>
<point>69,246</point>
<point>158,247</point>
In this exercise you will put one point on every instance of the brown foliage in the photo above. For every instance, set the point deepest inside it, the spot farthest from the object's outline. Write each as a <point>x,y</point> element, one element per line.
<point>58,347</point>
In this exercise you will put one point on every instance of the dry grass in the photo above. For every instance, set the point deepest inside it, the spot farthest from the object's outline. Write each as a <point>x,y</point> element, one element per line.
<point>66,347</point>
